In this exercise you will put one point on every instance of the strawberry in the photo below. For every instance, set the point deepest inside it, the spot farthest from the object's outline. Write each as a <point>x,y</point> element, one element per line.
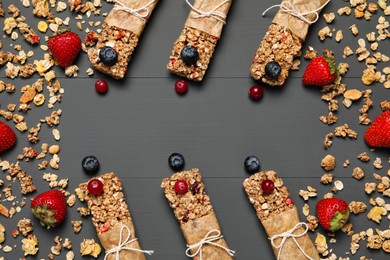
<point>320,71</point>
<point>49,207</point>
<point>7,137</point>
<point>332,213</point>
<point>378,133</point>
<point>65,47</point>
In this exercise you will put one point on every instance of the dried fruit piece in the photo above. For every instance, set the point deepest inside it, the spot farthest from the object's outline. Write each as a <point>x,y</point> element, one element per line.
<point>28,95</point>
<point>42,26</point>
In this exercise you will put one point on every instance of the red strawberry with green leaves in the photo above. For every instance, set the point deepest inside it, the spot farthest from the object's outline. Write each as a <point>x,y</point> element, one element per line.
<point>65,47</point>
<point>7,137</point>
<point>320,71</point>
<point>378,133</point>
<point>332,213</point>
<point>49,207</point>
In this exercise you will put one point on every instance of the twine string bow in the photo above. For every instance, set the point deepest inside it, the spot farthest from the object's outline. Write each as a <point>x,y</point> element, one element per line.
<point>208,239</point>
<point>212,13</point>
<point>123,245</point>
<point>290,234</point>
<point>141,12</point>
<point>288,7</point>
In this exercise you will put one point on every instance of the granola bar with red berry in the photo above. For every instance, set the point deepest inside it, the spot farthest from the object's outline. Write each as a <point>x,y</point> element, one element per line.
<point>195,46</point>
<point>110,215</point>
<point>192,208</point>
<point>279,216</point>
<point>121,30</point>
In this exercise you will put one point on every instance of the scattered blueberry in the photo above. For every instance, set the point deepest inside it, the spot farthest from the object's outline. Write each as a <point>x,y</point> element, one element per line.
<point>90,164</point>
<point>108,55</point>
<point>176,161</point>
<point>272,69</point>
<point>252,164</point>
<point>189,54</point>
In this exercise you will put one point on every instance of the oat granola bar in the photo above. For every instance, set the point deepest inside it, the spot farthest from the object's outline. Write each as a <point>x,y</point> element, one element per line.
<point>202,33</point>
<point>110,214</point>
<point>195,214</point>
<point>278,214</point>
<point>283,41</point>
<point>280,45</point>
<point>121,31</point>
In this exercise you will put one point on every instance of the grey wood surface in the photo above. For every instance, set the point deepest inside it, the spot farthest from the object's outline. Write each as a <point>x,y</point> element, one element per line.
<point>141,121</point>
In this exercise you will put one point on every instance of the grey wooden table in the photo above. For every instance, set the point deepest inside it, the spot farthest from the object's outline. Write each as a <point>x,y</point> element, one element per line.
<point>141,121</point>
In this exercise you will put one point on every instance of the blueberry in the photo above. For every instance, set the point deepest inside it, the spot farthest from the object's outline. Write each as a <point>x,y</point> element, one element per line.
<point>252,164</point>
<point>189,54</point>
<point>90,164</point>
<point>176,161</point>
<point>108,55</point>
<point>272,69</point>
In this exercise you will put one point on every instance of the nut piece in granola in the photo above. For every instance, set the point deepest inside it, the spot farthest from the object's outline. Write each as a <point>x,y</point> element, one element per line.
<point>2,234</point>
<point>90,247</point>
<point>25,226</point>
<point>328,162</point>
<point>30,245</point>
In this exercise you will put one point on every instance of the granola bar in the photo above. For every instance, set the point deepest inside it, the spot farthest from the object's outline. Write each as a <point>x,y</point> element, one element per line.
<point>199,32</point>
<point>278,214</point>
<point>195,214</point>
<point>110,214</point>
<point>121,31</point>
<point>282,43</point>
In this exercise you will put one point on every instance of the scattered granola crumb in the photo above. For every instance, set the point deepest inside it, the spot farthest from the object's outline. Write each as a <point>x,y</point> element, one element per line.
<point>328,162</point>
<point>90,247</point>
<point>30,245</point>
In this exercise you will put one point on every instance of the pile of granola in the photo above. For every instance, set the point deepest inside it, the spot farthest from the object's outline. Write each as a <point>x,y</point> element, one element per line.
<point>40,89</point>
<point>376,208</point>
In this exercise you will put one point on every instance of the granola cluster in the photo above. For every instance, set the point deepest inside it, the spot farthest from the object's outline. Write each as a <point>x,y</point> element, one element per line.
<point>279,45</point>
<point>193,204</point>
<point>108,208</point>
<point>123,41</point>
<point>267,205</point>
<point>205,45</point>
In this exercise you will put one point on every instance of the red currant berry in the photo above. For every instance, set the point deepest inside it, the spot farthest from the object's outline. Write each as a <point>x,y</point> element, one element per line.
<point>267,186</point>
<point>256,92</point>
<point>101,86</point>
<point>181,86</point>
<point>289,201</point>
<point>95,187</point>
<point>181,187</point>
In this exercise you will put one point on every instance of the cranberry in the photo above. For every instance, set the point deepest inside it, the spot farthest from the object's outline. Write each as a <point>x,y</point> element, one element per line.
<point>35,39</point>
<point>195,187</point>
<point>256,92</point>
<point>289,201</point>
<point>95,187</point>
<point>181,86</point>
<point>101,86</point>
<point>267,186</point>
<point>181,187</point>
<point>185,218</point>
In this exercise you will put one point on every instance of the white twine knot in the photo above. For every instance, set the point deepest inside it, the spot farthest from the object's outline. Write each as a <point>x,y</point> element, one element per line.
<point>288,7</point>
<point>123,245</point>
<point>141,12</point>
<point>212,13</point>
<point>289,234</point>
<point>208,239</point>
